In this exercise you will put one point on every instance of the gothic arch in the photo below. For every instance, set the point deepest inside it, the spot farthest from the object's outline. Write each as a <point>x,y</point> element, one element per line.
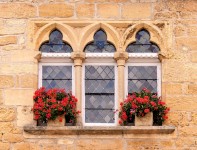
<point>89,31</point>
<point>43,34</point>
<point>156,36</point>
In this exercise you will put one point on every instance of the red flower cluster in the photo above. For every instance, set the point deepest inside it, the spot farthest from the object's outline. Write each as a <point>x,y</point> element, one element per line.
<point>140,104</point>
<point>52,103</point>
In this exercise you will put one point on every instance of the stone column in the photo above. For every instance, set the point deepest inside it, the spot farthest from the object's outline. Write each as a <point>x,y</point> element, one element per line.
<point>121,58</point>
<point>78,58</point>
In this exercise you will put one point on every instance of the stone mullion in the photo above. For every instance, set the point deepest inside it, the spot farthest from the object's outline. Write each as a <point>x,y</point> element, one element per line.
<point>78,58</point>
<point>121,58</point>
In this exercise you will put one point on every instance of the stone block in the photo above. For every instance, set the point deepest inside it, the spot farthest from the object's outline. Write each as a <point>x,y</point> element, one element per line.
<point>193,56</point>
<point>113,1</point>
<point>1,96</point>
<point>7,114</point>
<point>108,11</point>
<point>105,144</point>
<point>22,56</point>
<point>66,141</point>
<point>56,10</point>
<point>192,30</point>
<point>22,146</point>
<point>6,40</point>
<point>6,81</point>
<point>192,88</point>
<point>19,68</point>
<point>85,10</point>
<point>4,146</point>
<point>187,131</point>
<point>190,43</point>
<point>28,81</point>
<point>172,88</point>
<point>182,103</point>
<point>13,138</point>
<point>24,116</point>
<point>136,11</point>
<point>19,97</point>
<point>17,10</point>
<point>6,127</point>
<point>52,147</point>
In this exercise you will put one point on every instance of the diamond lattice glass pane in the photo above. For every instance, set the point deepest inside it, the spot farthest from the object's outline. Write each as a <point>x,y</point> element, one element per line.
<point>138,85</point>
<point>99,101</point>
<point>100,44</point>
<point>57,77</point>
<point>99,116</point>
<point>62,84</point>
<point>142,44</point>
<point>142,72</point>
<point>99,72</point>
<point>55,44</point>
<point>57,72</point>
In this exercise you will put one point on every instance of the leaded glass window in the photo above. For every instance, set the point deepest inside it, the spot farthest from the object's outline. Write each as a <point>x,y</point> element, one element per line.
<point>57,77</point>
<point>56,44</point>
<point>100,44</point>
<point>142,44</point>
<point>140,77</point>
<point>99,94</point>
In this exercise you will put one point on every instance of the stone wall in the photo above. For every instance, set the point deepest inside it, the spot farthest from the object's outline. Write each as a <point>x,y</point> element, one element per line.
<point>19,75</point>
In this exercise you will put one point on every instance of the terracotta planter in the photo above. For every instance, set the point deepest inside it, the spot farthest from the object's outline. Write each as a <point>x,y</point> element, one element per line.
<point>57,122</point>
<point>147,120</point>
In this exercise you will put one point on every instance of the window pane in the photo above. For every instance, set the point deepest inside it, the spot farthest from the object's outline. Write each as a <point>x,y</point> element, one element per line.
<point>100,44</point>
<point>57,77</point>
<point>55,44</point>
<point>140,77</point>
<point>99,94</point>
<point>142,44</point>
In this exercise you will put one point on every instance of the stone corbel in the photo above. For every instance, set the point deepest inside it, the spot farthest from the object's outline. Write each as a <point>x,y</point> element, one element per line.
<point>78,58</point>
<point>165,55</point>
<point>121,58</point>
<point>37,55</point>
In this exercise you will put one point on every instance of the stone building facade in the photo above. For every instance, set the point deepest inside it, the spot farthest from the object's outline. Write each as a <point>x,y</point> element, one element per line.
<point>26,24</point>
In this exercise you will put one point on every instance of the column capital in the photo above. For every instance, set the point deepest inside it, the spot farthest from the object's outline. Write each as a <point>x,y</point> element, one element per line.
<point>121,58</point>
<point>78,58</point>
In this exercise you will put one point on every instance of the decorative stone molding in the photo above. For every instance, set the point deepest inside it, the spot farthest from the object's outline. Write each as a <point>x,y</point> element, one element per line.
<point>143,55</point>
<point>121,58</point>
<point>78,58</point>
<point>80,130</point>
<point>100,55</point>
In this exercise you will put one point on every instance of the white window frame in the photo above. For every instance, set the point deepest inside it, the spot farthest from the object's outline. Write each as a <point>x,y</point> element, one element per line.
<point>158,65</point>
<point>102,63</point>
<point>41,64</point>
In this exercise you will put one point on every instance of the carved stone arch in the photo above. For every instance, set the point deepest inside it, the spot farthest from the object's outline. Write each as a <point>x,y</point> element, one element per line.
<point>156,35</point>
<point>43,34</point>
<point>89,31</point>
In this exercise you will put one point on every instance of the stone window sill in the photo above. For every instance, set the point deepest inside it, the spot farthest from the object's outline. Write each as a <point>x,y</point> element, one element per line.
<point>76,130</point>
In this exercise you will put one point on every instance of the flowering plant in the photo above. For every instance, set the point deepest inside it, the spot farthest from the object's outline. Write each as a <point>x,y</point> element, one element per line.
<point>140,104</point>
<point>49,104</point>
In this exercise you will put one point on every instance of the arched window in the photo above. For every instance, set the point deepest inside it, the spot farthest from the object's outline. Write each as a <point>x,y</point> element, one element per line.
<point>143,69</point>
<point>142,44</point>
<point>99,82</point>
<point>100,44</point>
<point>54,70</point>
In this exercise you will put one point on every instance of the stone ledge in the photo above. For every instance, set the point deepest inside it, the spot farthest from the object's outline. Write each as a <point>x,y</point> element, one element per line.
<point>77,130</point>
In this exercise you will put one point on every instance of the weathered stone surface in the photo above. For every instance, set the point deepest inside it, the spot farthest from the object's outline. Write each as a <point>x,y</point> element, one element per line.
<point>187,42</point>
<point>17,10</point>
<point>115,1</point>
<point>136,11</point>
<point>85,10</point>
<point>108,10</point>
<point>192,30</point>
<point>13,138</point>
<point>6,40</point>
<point>182,103</point>
<point>86,144</point>
<point>65,141</point>
<point>28,81</point>
<point>6,127</point>
<point>193,57</point>
<point>21,97</point>
<point>1,97</point>
<point>4,146</point>
<point>7,114</point>
<point>6,81</point>
<point>56,10</point>
<point>52,147</point>
<point>172,88</point>
<point>22,146</point>
<point>187,131</point>
<point>192,89</point>
<point>24,116</point>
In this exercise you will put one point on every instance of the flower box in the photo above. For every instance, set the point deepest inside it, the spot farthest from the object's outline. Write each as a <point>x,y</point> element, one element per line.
<point>58,122</point>
<point>146,120</point>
